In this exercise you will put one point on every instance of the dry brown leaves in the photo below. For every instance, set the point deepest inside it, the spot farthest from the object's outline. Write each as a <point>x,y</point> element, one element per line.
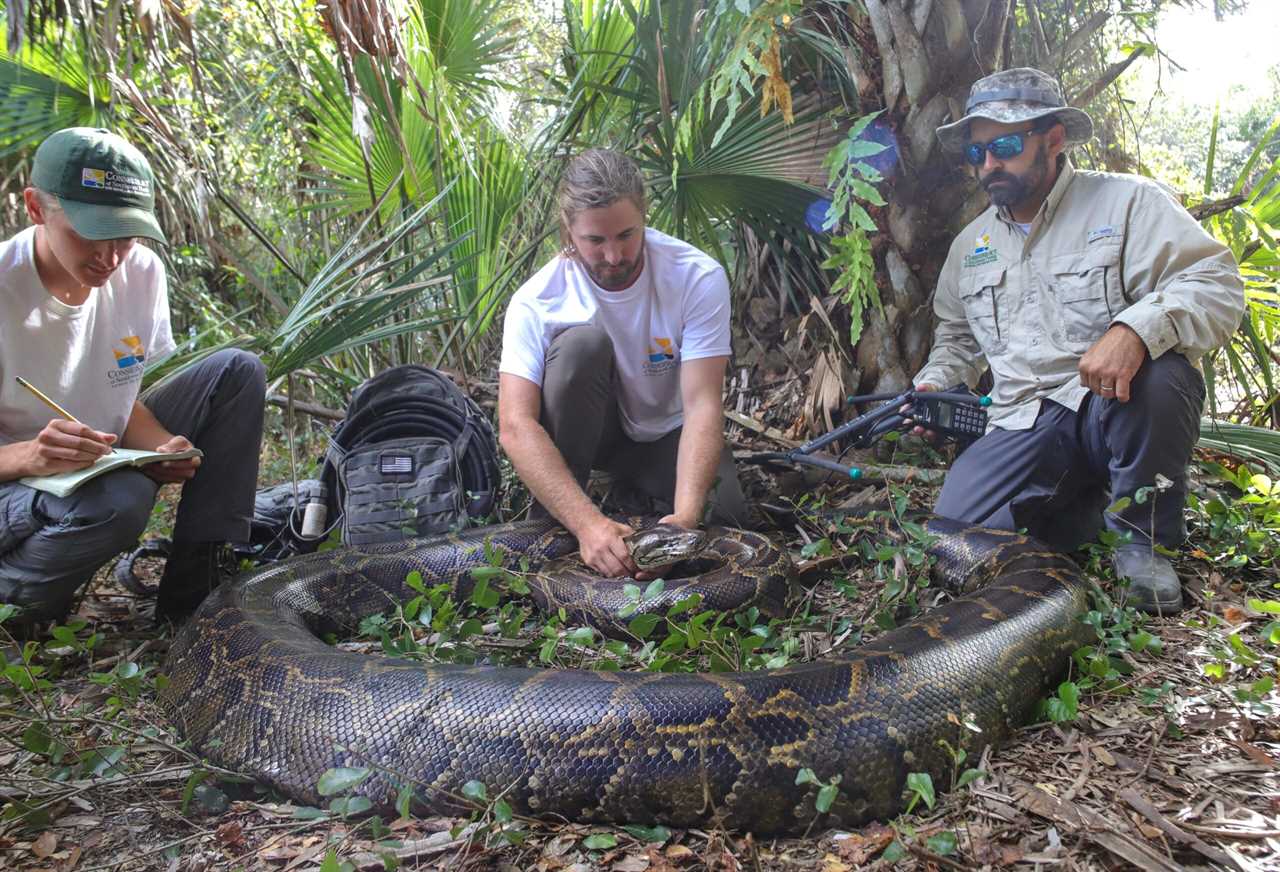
<point>1191,782</point>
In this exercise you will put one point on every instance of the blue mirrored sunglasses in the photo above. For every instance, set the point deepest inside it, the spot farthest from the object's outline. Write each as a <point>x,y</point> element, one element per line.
<point>1002,147</point>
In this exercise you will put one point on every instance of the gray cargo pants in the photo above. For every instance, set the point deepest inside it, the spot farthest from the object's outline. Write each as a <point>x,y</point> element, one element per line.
<point>580,414</point>
<point>1053,479</point>
<point>50,546</point>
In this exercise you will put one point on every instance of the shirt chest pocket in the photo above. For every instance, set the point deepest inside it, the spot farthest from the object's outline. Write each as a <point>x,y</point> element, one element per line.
<point>986,308</point>
<point>1084,293</point>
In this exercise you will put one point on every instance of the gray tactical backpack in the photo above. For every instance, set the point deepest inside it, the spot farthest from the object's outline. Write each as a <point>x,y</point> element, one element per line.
<point>414,456</point>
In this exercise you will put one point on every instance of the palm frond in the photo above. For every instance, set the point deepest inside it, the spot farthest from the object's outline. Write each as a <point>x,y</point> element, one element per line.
<point>43,91</point>
<point>469,40</point>
<point>349,302</point>
<point>760,172</point>
<point>1254,444</point>
<point>481,204</point>
<point>352,138</point>
<point>595,62</point>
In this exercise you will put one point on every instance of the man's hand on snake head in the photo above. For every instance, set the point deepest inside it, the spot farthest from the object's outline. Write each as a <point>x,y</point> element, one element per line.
<point>602,546</point>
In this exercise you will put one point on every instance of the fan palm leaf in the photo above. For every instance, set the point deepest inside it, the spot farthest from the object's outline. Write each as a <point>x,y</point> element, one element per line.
<point>350,300</point>
<point>390,128</point>
<point>469,41</point>
<point>45,88</point>
<point>352,138</point>
<point>487,193</point>
<point>753,174</point>
<point>759,171</point>
<point>1256,444</point>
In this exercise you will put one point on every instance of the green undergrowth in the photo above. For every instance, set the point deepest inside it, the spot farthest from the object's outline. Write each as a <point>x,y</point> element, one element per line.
<point>77,707</point>
<point>1234,527</point>
<point>496,626</point>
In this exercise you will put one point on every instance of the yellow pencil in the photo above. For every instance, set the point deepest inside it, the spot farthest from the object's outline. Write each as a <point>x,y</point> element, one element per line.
<point>39,395</point>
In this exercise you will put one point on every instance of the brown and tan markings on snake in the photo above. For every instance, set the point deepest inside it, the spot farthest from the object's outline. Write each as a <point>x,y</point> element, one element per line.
<point>254,689</point>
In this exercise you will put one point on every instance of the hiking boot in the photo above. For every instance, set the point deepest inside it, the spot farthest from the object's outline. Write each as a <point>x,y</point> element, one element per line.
<point>1154,587</point>
<point>191,572</point>
<point>33,620</point>
<point>16,632</point>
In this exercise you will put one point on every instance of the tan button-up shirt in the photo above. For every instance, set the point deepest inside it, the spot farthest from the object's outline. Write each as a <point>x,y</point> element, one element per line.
<point>1104,249</point>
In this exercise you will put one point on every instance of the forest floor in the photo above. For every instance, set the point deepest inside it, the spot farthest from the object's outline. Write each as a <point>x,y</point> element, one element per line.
<point>1173,763</point>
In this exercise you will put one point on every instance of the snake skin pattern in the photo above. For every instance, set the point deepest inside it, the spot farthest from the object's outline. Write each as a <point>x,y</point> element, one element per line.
<point>254,689</point>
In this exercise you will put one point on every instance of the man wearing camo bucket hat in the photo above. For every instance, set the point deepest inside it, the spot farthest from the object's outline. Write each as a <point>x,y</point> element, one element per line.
<point>1091,297</point>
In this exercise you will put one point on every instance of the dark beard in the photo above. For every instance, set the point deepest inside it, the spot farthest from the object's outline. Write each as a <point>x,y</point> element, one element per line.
<point>620,276</point>
<point>613,282</point>
<point>1012,190</point>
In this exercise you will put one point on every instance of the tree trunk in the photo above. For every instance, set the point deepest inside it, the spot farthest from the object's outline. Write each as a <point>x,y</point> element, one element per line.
<point>930,52</point>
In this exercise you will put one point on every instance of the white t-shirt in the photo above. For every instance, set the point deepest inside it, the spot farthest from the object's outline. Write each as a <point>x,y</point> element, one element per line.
<point>678,309</point>
<point>88,358</point>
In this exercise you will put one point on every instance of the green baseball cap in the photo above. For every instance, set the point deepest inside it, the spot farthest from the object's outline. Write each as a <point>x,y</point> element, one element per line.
<point>103,183</point>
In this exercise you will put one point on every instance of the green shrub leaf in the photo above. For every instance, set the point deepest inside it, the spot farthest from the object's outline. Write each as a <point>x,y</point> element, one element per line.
<point>340,780</point>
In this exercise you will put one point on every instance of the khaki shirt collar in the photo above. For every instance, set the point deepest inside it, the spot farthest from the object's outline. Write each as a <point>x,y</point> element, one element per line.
<point>1066,174</point>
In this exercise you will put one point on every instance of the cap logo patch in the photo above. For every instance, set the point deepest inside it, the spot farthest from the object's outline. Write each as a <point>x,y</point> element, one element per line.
<point>106,180</point>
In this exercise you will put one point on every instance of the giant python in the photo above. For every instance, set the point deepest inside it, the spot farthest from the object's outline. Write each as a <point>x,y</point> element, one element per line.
<point>252,687</point>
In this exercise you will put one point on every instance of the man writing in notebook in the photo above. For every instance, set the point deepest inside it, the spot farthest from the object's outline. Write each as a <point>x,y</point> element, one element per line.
<point>83,310</point>
<point>613,357</point>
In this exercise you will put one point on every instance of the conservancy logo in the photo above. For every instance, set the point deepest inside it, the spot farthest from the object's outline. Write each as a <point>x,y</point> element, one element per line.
<point>106,180</point>
<point>129,355</point>
<point>133,353</point>
<point>664,351</point>
<point>662,359</point>
<point>982,252</point>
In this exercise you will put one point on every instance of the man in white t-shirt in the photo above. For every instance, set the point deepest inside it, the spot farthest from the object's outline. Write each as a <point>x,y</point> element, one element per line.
<point>613,357</point>
<point>83,311</point>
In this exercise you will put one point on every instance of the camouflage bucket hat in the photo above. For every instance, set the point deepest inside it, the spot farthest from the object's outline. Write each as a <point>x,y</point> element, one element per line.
<point>1011,96</point>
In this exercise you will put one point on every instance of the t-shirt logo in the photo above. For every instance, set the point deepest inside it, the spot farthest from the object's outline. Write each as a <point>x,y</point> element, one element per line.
<point>661,357</point>
<point>663,352</point>
<point>133,353</point>
<point>129,361</point>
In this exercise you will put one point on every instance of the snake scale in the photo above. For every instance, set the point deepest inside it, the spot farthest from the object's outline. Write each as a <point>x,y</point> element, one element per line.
<point>253,688</point>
